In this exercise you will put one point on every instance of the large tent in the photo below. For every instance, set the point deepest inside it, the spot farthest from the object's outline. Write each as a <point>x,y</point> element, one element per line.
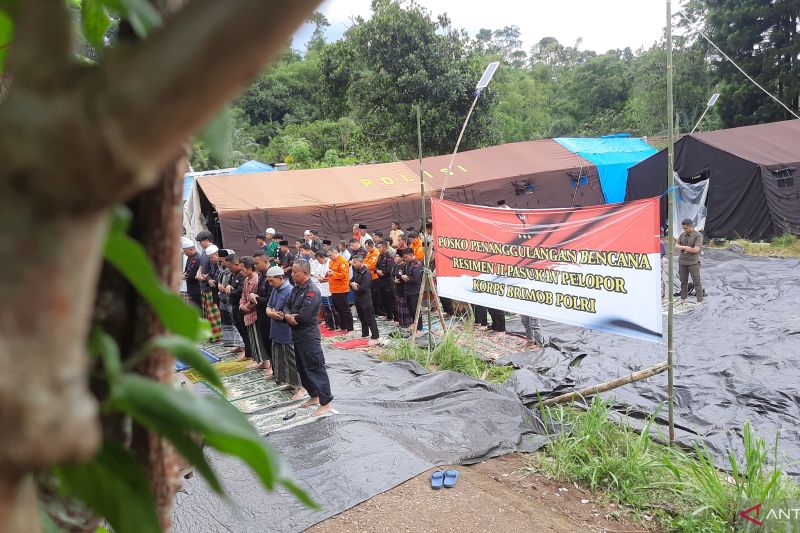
<point>753,182</point>
<point>530,174</point>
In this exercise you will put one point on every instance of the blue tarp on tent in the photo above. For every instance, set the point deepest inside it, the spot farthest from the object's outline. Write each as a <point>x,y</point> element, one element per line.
<point>246,168</point>
<point>613,155</point>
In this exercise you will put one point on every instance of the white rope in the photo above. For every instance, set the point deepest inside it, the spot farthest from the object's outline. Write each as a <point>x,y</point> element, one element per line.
<point>704,36</point>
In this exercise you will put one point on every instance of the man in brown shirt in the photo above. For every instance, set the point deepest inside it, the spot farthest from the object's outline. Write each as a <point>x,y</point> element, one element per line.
<point>689,244</point>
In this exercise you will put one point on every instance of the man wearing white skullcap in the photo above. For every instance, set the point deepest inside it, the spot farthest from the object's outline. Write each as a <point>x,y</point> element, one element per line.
<point>205,276</point>
<point>271,246</point>
<point>190,271</point>
<point>284,363</point>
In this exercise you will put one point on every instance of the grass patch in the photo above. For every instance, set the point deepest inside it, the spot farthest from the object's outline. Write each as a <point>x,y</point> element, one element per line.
<point>786,245</point>
<point>683,492</point>
<point>455,351</point>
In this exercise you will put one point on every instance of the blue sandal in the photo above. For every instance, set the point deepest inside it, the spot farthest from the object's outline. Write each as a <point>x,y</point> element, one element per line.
<point>450,478</point>
<point>437,479</point>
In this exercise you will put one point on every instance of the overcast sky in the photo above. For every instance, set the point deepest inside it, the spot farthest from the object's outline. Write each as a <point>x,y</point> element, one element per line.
<point>603,25</point>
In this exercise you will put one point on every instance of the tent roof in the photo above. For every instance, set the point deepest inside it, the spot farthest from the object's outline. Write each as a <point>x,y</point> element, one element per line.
<point>770,144</point>
<point>338,186</point>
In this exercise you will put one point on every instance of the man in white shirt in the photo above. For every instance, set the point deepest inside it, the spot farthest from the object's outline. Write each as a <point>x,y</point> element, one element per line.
<point>360,233</point>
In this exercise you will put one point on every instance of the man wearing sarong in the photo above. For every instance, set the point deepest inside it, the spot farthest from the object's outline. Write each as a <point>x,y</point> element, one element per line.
<point>247,306</point>
<point>300,312</point>
<point>190,271</point>
<point>209,269</point>
<point>284,364</point>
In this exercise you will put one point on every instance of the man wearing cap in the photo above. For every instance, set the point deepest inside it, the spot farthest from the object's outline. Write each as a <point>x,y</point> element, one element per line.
<point>284,364</point>
<point>360,233</point>
<point>211,296</point>
<point>361,283</point>
<point>326,245</point>
<point>300,312</point>
<point>689,244</point>
<point>271,246</point>
<point>190,271</point>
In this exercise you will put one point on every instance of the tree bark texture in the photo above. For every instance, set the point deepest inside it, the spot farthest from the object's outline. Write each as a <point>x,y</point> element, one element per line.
<point>74,140</point>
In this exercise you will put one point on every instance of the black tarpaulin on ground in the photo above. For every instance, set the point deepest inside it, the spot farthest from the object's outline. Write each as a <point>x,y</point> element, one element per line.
<point>737,359</point>
<point>395,421</point>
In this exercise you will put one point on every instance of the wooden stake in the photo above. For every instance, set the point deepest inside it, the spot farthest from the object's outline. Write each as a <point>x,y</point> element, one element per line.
<point>603,387</point>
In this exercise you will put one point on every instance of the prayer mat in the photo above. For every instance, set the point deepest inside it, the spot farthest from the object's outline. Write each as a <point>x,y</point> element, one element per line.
<point>236,380</point>
<point>280,396</point>
<point>325,332</point>
<point>273,421</point>
<point>223,368</point>
<point>180,366</point>
<point>352,343</point>
<point>253,388</point>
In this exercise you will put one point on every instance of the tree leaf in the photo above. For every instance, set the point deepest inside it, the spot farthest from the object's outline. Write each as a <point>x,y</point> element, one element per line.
<point>222,425</point>
<point>102,345</point>
<point>95,22</point>
<point>217,134</point>
<point>129,257</point>
<point>299,493</point>
<point>6,35</point>
<point>185,350</point>
<point>142,16</point>
<point>115,487</point>
<point>193,453</point>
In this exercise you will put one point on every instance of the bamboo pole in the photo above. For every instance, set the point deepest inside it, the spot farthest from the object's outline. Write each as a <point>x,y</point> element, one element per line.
<point>670,224</point>
<point>603,387</point>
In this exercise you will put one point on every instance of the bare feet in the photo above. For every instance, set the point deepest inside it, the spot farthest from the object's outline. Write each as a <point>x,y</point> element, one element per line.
<point>268,373</point>
<point>532,345</point>
<point>238,349</point>
<point>243,357</point>
<point>310,402</point>
<point>299,393</point>
<point>321,410</point>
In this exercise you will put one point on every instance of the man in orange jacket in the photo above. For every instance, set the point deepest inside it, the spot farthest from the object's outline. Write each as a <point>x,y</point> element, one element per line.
<point>415,242</point>
<point>339,281</point>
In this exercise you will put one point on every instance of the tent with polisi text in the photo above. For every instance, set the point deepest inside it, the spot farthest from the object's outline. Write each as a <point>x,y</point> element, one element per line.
<point>596,267</point>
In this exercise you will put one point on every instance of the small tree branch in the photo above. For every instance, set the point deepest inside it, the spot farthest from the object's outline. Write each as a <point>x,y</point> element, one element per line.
<point>42,41</point>
<point>185,73</point>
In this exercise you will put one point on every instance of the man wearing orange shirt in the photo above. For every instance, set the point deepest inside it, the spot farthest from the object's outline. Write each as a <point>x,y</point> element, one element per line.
<point>415,242</point>
<point>339,282</point>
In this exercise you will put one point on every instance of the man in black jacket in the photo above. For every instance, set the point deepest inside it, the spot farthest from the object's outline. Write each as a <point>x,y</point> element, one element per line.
<point>190,272</point>
<point>300,312</point>
<point>385,281</point>
<point>234,290</point>
<point>411,277</point>
<point>361,282</point>
<point>261,298</point>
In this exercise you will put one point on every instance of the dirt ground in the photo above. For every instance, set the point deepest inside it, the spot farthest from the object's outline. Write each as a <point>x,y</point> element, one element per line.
<point>497,495</point>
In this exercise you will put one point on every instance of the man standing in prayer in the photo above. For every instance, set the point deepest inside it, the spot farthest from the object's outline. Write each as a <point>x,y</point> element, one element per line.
<point>384,281</point>
<point>360,233</point>
<point>533,331</point>
<point>342,249</point>
<point>361,282</point>
<point>247,306</point>
<point>210,295</point>
<point>261,242</point>
<point>411,278</point>
<point>261,298</point>
<point>235,289</point>
<point>319,275</point>
<point>230,336</point>
<point>190,271</point>
<point>315,242</point>
<point>326,245</point>
<point>689,245</point>
<point>284,364</point>
<point>402,317</point>
<point>415,242</point>
<point>395,234</point>
<point>300,312</point>
<point>371,261</point>
<point>271,246</point>
<point>339,281</point>
<point>285,258</point>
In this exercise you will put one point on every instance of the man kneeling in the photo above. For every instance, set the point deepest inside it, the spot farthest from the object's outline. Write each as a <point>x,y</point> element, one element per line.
<point>300,312</point>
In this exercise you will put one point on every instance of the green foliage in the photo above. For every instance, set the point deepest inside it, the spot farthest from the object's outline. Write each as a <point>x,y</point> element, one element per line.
<point>114,485</point>
<point>454,352</point>
<point>6,35</point>
<point>787,240</point>
<point>95,21</point>
<point>130,259</point>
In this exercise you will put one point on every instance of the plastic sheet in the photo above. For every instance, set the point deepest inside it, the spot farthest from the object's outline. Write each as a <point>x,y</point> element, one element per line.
<point>736,359</point>
<point>690,202</point>
<point>395,421</point>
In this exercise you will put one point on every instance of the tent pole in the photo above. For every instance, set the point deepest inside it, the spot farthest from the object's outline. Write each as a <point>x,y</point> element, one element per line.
<point>700,119</point>
<point>426,278</point>
<point>670,224</point>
